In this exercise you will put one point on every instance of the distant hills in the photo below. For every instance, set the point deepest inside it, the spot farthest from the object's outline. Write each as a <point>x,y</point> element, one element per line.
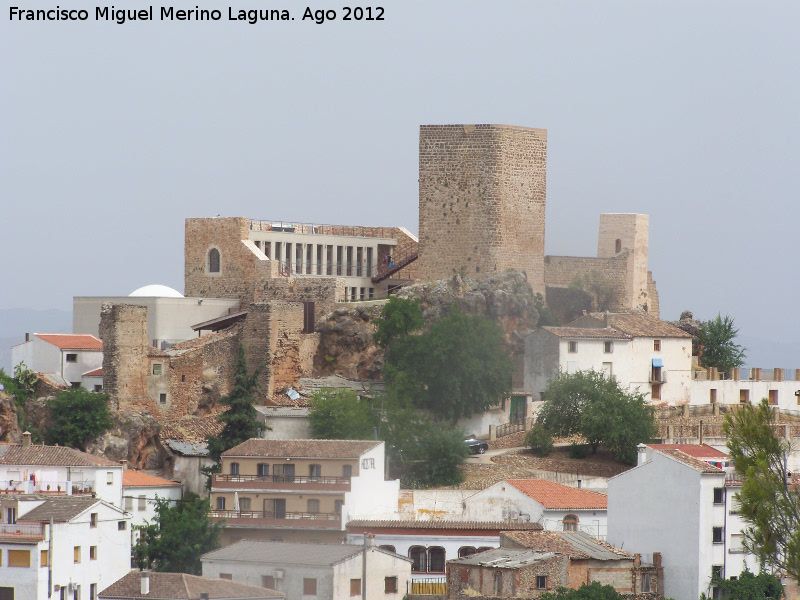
<point>16,322</point>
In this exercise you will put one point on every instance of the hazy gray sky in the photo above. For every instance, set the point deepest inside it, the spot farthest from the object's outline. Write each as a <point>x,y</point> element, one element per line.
<point>687,111</point>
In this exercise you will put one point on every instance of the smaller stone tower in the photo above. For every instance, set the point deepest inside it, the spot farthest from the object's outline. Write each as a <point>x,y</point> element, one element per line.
<point>621,232</point>
<point>123,329</point>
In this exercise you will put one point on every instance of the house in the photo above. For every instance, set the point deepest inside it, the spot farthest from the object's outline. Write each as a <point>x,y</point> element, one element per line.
<point>675,500</point>
<point>300,490</point>
<point>555,506</point>
<point>429,544</point>
<point>64,357</point>
<point>66,547</point>
<point>27,468</point>
<point>312,571</point>
<point>531,563</point>
<point>640,351</point>
<point>138,585</point>
<point>186,450</point>
<point>140,490</point>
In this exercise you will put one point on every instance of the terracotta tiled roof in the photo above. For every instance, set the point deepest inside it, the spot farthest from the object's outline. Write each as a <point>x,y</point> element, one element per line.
<point>696,464</point>
<point>179,586</point>
<point>71,341</point>
<point>443,525</point>
<point>60,508</point>
<point>302,448</point>
<point>575,544</point>
<point>284,400</point>
<point>50,456</point>
<point>700,451</point>
<point>286,553</point>
<point>557,496</point>
<point>190,429</point>
<point>133,478</point>
<point>581,332</point>
<point>640,325</point>
<point>95,373</point>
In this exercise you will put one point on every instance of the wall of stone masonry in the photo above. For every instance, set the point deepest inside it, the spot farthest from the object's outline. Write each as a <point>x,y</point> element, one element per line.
<point>482,191</point>
<point>653,307</point>
<point>515,582</point>
<point>123,330</point>
<point>323,291</point>
<point>560,271</point>
<point>632,232</point>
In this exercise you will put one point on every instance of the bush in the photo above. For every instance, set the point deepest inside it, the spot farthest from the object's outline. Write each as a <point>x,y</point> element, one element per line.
<point>78,417</point>
<point>539,440</point>
<point>339,414</point>
<point>578,451</point>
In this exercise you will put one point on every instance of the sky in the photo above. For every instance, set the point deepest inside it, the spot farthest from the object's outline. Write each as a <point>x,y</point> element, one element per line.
<point>111,135</point>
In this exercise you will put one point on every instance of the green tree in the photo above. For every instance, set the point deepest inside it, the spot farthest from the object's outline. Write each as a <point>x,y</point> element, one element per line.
<point>239,419</point>
<point>546,316</point>
<point>339,414</point>
<point>589,404</point>
<point>748,587</point>
<point>539,440</point>
<point>716,338</point>
<point>768,502</point>
<point>178,536</point>
<point>78,416</point>
<point>593,591</point>
<point>457,368</point>
<point>399,318</point>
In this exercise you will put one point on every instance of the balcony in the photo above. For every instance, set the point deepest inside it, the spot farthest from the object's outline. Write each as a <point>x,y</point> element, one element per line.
<point>21,532</point>
<point>283,520</point>
<point>280,483</point>
<point>47,487</point>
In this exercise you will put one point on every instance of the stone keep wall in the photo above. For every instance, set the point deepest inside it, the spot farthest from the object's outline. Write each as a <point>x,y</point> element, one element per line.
<point>123,330</point>
<point>323,291</point>
<point>482,192</point>
<point>632,232</point>
<point>560,271</point>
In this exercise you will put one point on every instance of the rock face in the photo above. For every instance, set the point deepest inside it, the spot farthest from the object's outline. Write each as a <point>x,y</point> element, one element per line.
<point>134,437</point>
<point>346,347</point>
<point>9,420</point>
<point>689,324</point>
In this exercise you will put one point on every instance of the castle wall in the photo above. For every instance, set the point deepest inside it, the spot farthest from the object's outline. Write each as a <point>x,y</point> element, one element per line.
<point>628,232</point>
<point>560,271</point>
<point>482,192</point>
<point>123,329</point>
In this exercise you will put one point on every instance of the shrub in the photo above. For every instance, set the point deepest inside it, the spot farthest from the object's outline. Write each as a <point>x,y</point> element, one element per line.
<point>578,450</point>
<point>539,440</point>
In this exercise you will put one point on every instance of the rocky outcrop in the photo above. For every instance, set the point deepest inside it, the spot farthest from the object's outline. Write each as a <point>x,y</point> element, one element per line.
<point>689,324</point>
<point>346,346</point>
<point>9,420</point>
<point>134,437</point>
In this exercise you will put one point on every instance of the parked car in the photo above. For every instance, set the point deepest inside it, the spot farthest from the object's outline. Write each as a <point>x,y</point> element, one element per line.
<point>476,446</point>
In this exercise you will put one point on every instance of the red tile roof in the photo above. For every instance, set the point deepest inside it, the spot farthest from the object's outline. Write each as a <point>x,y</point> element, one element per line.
<point>557,496</point>
<point>50,456</point>
<point>446,525</point>
<point>579,332</point>
<point>701,451</point>
<point>639,325</point>
<point>134,478</point>
<point>694,463</point>
<point>71,341</point>
<point>179,586</point>
<point>302,448</point>
<point>95,373</point>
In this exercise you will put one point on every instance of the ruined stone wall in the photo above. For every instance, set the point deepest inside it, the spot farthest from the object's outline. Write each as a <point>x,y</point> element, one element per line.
<point>560,271</point>
<point>482,192</point>
<point>520,583</point>
<point>123,330</point>
<point>323,291</point>
<point>653,307</point>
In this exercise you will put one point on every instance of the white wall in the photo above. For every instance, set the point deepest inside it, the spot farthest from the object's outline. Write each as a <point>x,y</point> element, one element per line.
<point>291,583</point>
<point>28,582</point>
<point>44,357</point>
<point>379,566</point>
<point>728,392</point>
<point>68,479</point>
<point>131,501</point>
<point>370,496</point>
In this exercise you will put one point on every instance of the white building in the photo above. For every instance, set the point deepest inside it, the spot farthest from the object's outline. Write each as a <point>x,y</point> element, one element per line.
<point>64,356</point>
<point>641,352</point>
<point>30,469</point>
<point>312,571</point>
<point>676,502</point>
<point>86,548</point>
<point>140,490</point>
<point>781,387</point>
<point>555,506</point>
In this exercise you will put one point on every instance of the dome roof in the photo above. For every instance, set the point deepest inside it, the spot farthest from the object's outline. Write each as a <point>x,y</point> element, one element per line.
<point>157,291</point>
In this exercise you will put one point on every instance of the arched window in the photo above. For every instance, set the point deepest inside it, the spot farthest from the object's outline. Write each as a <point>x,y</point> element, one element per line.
<point>618,246</point>
<point>436,559</point>
<point>570,523</point>
<point>213,260</point>
<point>485,548</point>
<point>466,551</point>
<point>388,548</point>
<point>419,559</point>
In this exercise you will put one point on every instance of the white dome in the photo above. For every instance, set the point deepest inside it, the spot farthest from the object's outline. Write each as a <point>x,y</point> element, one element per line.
<point>155,291</point>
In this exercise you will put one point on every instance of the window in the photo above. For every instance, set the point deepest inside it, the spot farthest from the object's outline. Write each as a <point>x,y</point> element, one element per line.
<point>744,396</point>
<point>337,508</point>
<point>262,469</point>
<point>244,503</point>
<point>498,583</point>
<point>142,503</point>
<point>98,388</point>
<point>773,396</point>
<point>712,396</point>
<point>388,548</point>
<point>419,559</point>
<point>183,378</point>
<point>75,385</point>
<point>234,468</point>
<point>485,548</point>
<point>129,503</point>
<point>110,477</point>
<point>646,580</point>
<point>313,506</point>
<point>572,347</point>
<point>220,503</point>
<point>309,586</point>
<point>716,535</point>
<point>315,471</point>
<point>355,587</point>
<point>719,496</point>
<point>162,398</point>
<point>618,246</point>
<point>308,317</point>
<point>436,560</point>
<point>93,520</point>
<point>268,581</point>
<point>466,551</point>
<point>390,585</point>
<point>121,525</point>
<point>72,358</point>
<point>655,391</point>
<point>213,260</point>
<point>76,554</point>
<point>464,575</point>
<point>11,515</point>
<point>19,558</point>
<point>570,523</point>
<point>92,591</point>
<point>347,471</point>
<point>92,552</point>
<point>716,572</point>
<point>541,582</point>
<point>157,369</point>
<point>656,345</point>
<point>45,556</point>
<point>228,576</point>
<point>608,347</point>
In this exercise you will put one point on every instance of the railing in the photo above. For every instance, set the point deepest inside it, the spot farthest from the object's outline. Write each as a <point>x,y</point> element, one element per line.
<point>22,530</point>
<point>323,229</point>
<point>304,268</point>
<point>270,514</point>
<point>46,487</point>
<point>283,479</point>
<point>429,586</point>
<point>509,428</point>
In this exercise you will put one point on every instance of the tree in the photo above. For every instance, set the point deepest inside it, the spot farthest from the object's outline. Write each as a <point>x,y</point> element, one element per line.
<point>748,587</point>
<point>178,536</point>
<point>78,416</point>
<point>539,440</point>
<point>769,504</point>
<point>716,338</point>
<point>457,368</point>
<point>399,318</point>
<point>593,591</point>
<point>340,415</point>
<point>589,404</point>
<point>240,423</point>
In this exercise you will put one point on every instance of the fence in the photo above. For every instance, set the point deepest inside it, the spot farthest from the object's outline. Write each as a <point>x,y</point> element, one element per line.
<point>509,428</point>
<point>323,229</point>
<point>429,586</point>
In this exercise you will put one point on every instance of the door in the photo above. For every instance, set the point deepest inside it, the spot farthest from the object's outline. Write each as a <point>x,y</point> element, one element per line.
<point>275,508</point>
<point>517,412</point>
<point>288,473</point>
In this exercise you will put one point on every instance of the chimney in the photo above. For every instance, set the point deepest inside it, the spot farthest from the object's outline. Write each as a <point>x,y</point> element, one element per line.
<point>145,582</point>
<point>27,337</point>
<point>641,452</point>
<point>26,439</point>
<point>124,464</point>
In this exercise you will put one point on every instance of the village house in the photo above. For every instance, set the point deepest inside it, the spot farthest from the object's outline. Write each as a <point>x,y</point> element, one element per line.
<point>66,359</point>
<point>300,490</point>
<point>139,492</point>
<point>312,571</point>
<point>780,387</point>
<point>679,500</point>
<point>143,585</point>
<point>66,547</point>
<point>555,506</point>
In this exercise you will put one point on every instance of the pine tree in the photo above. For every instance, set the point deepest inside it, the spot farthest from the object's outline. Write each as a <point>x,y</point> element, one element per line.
<point>240,423</point>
